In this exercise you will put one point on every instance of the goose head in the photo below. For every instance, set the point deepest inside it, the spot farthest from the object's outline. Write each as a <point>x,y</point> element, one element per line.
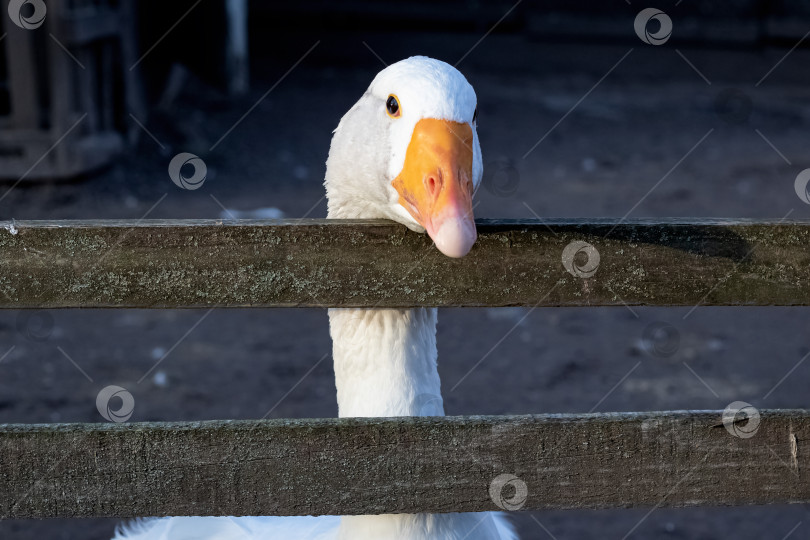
<point>408,151</point>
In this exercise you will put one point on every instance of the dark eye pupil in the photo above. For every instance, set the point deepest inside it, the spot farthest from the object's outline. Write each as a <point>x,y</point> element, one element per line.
<point>392,104</point>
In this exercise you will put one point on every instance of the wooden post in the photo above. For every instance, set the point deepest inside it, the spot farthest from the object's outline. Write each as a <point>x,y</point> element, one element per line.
<point>236,47</point>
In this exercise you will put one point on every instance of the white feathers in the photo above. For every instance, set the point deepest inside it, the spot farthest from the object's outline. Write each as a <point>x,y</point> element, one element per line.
<point>462,526</point>
<point>231,528</point>
<point>368,148</point>
<point>385,361</point>
<point>467,526</point>
<point>425,88</point>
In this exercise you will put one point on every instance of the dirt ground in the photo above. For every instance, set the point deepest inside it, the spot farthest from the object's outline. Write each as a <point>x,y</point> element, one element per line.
<point>643,123</point>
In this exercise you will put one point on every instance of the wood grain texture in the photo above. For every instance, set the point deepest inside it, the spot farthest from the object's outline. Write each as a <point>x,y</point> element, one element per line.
<point>372,466</point>
<point>208,263</point>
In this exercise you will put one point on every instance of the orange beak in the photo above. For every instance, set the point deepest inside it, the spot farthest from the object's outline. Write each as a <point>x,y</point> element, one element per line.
<point>435,185</point>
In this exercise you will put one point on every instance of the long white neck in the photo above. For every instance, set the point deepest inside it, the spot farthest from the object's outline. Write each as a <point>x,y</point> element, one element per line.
<point>385,362</point>
<point>385,365</point>
<point>385,359</point>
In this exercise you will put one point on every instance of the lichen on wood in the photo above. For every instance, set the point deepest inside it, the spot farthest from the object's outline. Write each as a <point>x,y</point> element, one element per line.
<point>332,263</point>
<point>400,465</point>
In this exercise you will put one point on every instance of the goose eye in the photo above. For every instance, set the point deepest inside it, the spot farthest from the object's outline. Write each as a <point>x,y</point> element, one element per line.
<point>475,116</point>
<point>392,106</point>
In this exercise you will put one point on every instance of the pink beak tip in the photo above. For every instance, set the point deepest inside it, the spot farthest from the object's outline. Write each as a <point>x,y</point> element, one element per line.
<point>454,237</point>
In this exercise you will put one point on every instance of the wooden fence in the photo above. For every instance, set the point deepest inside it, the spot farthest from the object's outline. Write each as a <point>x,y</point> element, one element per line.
<point>369,466</point>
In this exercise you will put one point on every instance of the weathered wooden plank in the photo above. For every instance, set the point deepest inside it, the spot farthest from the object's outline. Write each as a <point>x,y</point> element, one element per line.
<point>160,264</point>
<point>402,465</point>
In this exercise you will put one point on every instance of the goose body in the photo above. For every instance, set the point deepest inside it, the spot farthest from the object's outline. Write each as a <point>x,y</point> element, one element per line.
<point>408,151</point>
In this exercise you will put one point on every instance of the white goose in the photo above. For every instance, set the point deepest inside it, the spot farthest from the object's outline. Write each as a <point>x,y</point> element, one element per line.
<point>408,151</point>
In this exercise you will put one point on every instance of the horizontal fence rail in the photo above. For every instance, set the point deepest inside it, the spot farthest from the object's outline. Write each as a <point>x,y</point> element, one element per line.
<point>211,263</point>
<point>402,465</point>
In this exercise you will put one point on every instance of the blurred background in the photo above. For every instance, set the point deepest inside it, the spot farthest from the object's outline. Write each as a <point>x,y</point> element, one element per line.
<point>586,109</point>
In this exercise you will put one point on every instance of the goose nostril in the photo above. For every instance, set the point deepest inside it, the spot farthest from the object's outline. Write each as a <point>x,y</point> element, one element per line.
<point>433,185</point>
